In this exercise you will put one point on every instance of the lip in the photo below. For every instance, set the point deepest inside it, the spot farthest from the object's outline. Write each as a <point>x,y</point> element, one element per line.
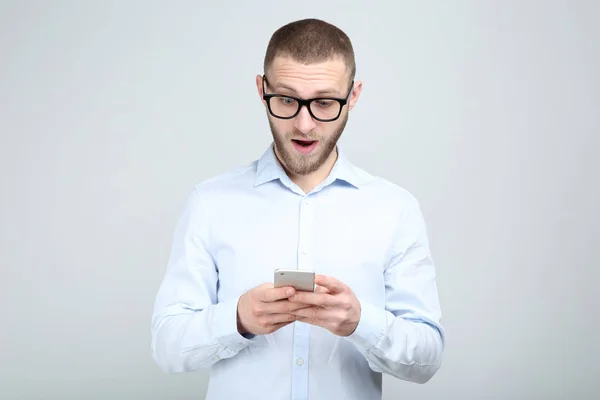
<point>304,149</point>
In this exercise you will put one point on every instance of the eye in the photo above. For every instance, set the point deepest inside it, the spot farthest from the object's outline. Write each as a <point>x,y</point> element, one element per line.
<point>286,101</point>
<point>324,103</point>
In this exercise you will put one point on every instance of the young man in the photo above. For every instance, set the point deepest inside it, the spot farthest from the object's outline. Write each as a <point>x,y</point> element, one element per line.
<point>302,205</point>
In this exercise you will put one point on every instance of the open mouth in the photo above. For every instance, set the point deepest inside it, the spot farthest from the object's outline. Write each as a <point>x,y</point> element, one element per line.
<point>304,143</point>
<point>304,146</point>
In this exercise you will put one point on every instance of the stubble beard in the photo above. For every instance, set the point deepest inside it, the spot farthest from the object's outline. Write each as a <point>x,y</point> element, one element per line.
<point>300,164</point>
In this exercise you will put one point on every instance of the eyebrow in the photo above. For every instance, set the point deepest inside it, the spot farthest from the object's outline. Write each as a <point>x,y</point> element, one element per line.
<point>323,92</point>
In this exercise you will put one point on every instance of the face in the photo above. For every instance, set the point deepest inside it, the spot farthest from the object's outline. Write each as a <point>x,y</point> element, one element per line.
<point>304,144</point>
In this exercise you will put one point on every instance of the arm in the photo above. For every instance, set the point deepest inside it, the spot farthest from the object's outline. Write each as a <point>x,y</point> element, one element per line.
<point>190,330</point>
<point>406,339</point>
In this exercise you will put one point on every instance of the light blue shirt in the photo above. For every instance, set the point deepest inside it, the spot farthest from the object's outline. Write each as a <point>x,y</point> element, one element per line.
<point>237,228</point>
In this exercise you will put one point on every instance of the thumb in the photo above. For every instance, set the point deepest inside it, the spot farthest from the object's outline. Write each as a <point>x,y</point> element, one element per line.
<point>321,289</point>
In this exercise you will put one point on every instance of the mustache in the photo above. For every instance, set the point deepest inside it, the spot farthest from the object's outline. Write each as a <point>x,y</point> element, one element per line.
<point>303,136</point>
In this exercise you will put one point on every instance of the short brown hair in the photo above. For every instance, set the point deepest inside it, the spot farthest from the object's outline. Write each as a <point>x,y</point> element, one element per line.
<point>309,41</point>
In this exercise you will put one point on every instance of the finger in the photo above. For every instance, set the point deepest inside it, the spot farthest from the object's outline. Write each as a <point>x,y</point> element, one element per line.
<point>313,315</point>
<point>286,306</point>
<point>315,299</point>
<point>274,294</point>
<point>330,283</point>
<point>321,289</point>
<point>283,307</point>
<point>275,327</point>
<point>310,321</point>
<point>274,319</point>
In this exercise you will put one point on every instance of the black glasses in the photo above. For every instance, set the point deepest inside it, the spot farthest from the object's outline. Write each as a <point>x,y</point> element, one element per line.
<point>324,109</point>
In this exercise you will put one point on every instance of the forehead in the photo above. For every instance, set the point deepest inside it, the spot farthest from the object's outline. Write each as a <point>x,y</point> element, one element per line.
<point>308,79</point>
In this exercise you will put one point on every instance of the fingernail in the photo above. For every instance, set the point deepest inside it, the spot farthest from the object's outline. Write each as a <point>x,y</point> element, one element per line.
<point>290,292</point>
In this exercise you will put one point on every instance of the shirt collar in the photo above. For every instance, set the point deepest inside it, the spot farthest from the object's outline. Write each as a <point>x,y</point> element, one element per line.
<point>269,169</point>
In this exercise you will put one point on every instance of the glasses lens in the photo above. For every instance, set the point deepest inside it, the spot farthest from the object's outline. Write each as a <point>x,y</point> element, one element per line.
<point>325,108</point>
<point>283,107</point>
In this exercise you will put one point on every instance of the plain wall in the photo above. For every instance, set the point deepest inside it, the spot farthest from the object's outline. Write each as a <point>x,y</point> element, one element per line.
<point>487,111</point>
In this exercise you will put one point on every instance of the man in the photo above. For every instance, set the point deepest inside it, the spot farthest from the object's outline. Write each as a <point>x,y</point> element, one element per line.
<point>301,205</point>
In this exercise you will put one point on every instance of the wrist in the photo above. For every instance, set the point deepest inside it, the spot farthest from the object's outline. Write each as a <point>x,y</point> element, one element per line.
<point>357,317</point>
<point>242,330</point>
<point>371,326</point>
<point>240,325</point>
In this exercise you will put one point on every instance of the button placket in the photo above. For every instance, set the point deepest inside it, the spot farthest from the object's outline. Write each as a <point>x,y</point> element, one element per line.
<point>301,349</point>
<point>306,235</point>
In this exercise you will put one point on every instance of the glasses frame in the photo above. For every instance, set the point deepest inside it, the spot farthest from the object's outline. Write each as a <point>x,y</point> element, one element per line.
<point>305,102</point>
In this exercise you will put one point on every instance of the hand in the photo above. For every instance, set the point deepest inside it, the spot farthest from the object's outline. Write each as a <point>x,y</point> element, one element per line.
<point>332,306</point>
<point>265,309</point>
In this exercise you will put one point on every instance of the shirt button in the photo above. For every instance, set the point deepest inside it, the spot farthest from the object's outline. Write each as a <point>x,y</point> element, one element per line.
<point>305,252</point>
<point>300,361</point>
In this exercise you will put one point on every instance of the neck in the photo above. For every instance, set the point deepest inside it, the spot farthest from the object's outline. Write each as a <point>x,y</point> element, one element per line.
<point>310,181</point>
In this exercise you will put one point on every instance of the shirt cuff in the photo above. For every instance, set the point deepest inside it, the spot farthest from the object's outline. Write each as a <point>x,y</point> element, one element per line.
<point>370,329</point>
<point>224,326</point>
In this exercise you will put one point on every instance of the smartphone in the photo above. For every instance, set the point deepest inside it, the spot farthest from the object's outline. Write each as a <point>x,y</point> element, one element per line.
<point>299,279</point>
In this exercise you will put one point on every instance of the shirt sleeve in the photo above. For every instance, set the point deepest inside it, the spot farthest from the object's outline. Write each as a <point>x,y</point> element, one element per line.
<point>405,339</point>
<point>190,329</point>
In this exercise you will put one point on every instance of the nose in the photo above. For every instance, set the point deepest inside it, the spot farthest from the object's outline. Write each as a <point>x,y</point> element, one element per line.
<point>303,121</point>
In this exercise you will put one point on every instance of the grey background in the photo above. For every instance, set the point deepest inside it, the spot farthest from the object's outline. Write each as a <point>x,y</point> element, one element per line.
<point>488,111</point>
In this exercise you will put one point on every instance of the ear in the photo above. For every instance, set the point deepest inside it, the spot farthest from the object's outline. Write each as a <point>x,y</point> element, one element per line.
<point>355,94</point>
<point>259,87</point>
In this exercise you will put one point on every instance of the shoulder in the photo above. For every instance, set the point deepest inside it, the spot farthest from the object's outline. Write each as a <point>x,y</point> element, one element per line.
<point>217,190</point>
<point>391,201</point>
<point>212,194</point>
<point>237,178</point>
<point>385,190</point>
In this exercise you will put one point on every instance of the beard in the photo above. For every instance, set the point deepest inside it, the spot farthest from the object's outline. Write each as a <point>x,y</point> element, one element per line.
<point>301,164</point>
